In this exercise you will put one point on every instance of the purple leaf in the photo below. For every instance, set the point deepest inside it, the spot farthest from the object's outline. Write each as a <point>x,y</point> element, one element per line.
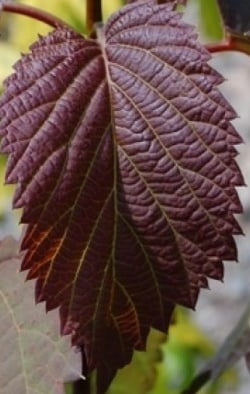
<point>123,154</point>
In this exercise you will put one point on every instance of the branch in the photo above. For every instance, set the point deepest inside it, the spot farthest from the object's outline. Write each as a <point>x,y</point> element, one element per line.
<point>198,382</point>
<point>94,14</point>
<point>32,12</point>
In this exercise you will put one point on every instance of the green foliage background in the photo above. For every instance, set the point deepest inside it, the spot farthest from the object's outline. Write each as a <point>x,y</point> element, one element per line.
<point>169,365</point>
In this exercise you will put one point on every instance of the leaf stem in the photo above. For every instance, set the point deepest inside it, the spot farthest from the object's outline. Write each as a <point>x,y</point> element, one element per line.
<point>232,43</point>
<point>94,14</point>
<point>32,12</point>
<point>180,2</point>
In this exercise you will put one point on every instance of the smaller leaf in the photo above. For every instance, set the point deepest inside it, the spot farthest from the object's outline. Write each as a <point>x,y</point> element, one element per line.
<point>8,249</point>
<point>34,358</point>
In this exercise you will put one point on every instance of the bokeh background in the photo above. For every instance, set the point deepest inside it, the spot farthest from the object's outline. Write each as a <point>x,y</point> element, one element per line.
<point>196,335</point>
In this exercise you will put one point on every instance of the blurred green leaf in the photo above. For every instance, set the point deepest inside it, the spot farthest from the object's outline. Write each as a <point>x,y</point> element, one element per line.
<point>68,388</point>
<point>187,346</point>
<point>7,61</point>
<point>72,11</point>
<point>140,375</point>
<point>210,21</point>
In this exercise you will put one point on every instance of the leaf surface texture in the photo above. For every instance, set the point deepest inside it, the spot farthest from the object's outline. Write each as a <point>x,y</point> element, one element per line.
<point>123,155</point>
<point>34,358</point>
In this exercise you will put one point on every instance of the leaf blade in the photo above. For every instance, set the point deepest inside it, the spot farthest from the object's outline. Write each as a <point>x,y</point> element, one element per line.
<point>34,358</point>
<point>123,152</point>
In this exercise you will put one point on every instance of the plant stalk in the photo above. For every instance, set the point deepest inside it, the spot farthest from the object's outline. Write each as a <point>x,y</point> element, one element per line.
<point>232,43</point>
<point>94,14</point>
<point>34,13</point>
<point>198,382</point>
<point>180,2</point>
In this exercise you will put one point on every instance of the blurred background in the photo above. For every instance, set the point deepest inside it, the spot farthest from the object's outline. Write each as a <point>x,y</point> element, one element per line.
<point>196,335</point>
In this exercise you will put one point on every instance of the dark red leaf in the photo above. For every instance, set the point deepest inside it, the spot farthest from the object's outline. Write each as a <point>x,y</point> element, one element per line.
<point>123,154</point>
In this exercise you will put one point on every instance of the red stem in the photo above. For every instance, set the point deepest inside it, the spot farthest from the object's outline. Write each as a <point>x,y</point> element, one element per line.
<point>219,47</point>
<point>232,43</point>
<point>180,2</point>
<point>34,13</point>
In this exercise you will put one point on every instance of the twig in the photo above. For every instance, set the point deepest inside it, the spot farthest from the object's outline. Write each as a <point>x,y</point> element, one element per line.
<point>33,12</point>
<point>94,14</point>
